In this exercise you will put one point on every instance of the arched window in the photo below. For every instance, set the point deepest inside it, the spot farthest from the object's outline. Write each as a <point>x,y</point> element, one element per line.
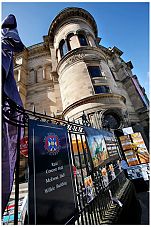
<point>82,40</point>
<point>31,77</point>
<point>111,120</point>
<point>48,72</point>
<point>39,74</point>
<point>63,47</point>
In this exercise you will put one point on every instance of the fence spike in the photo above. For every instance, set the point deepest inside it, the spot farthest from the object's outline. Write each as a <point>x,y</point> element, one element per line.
<point>34,109</point>
<point>44,112</point>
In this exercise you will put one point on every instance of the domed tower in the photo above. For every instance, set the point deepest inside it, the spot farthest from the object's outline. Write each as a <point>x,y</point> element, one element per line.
<point>86,81</point>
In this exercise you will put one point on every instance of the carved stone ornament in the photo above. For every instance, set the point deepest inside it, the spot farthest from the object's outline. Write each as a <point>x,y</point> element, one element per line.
<point>75,58</point>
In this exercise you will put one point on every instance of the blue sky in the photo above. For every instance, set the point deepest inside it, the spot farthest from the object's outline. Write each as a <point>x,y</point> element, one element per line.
<point>121,24</point>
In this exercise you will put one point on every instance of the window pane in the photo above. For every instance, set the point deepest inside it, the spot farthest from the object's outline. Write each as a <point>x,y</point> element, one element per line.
<point>101,89</point>
<point>63,48</point>
<point>82,40</point>
<point>94,71</point>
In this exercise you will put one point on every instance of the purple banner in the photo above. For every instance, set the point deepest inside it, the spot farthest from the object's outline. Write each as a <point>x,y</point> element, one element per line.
<point>10,43</point>
<point>140,91</point>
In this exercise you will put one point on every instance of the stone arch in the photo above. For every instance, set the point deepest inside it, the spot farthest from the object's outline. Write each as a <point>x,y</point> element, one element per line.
<point>31,77</point>
<point>112,118</point>
<point>48,70</point>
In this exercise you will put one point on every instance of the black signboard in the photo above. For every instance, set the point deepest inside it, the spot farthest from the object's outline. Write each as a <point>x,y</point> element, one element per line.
<point>51,189</point>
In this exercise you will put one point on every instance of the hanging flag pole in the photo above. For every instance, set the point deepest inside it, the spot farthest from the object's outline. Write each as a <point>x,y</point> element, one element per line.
<point>17,177</point>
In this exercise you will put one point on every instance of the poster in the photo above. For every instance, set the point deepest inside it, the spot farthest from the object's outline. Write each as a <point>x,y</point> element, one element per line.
<point>140,147</point>
<point>24,146</point>
<point>134,149</point>
<point>119,165</point>
<point>89,189</point>
<point>128,130</point>
<point>96,145</point>
<point>111,145</point>
<point>139,171</point>
<point>111,169</point>
<point>126,142</point>
<point>51,189</point>
<point>105,176</point>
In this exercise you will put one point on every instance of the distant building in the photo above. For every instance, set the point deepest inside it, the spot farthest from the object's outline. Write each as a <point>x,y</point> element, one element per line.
<point>70,72</point>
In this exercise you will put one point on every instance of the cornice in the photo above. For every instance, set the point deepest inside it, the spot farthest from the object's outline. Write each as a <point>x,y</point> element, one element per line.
<point>69,13</point>
<point>37,48</point>
<point>94,98</point>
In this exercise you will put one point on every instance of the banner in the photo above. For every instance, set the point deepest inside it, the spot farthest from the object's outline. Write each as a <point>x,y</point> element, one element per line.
<point>10,43</point>
<point>51,190</point>
<point>137,86</point>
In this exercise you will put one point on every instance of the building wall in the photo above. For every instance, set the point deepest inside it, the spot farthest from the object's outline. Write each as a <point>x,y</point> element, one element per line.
<point>62,84</point>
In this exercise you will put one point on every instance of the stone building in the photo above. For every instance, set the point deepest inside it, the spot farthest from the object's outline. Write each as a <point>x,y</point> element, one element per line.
<point>70,72</point>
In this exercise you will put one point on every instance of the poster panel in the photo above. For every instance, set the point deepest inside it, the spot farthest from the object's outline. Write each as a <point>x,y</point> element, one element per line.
<point>105,176</point>
<point>24,146</point>
<point>128,130</point>
<point>96,145</point>
<point>111,168</point>
<point>126,142</point>
<point>140,147</point>
<point>51,189</point>
<point>111,144</point>
<point>89,189</point>
<point>127,147</point>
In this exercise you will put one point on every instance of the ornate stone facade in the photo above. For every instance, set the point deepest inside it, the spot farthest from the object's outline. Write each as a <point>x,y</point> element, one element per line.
<point>70,72</point>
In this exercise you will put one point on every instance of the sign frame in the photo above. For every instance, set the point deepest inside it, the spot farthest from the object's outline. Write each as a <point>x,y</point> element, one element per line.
<point>50,166</point>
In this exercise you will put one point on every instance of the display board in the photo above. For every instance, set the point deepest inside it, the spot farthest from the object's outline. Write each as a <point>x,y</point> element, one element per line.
<point>111,145</point>
<point>141,148</point>
<point>134,149</point>
<point>51,189</point>
<point>102,145</point>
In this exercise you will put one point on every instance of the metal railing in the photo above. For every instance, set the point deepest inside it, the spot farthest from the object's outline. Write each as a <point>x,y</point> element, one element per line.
<point>87,212</point>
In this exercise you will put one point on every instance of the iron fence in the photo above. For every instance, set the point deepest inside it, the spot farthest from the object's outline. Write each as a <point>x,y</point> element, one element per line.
<point>88,213</point>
